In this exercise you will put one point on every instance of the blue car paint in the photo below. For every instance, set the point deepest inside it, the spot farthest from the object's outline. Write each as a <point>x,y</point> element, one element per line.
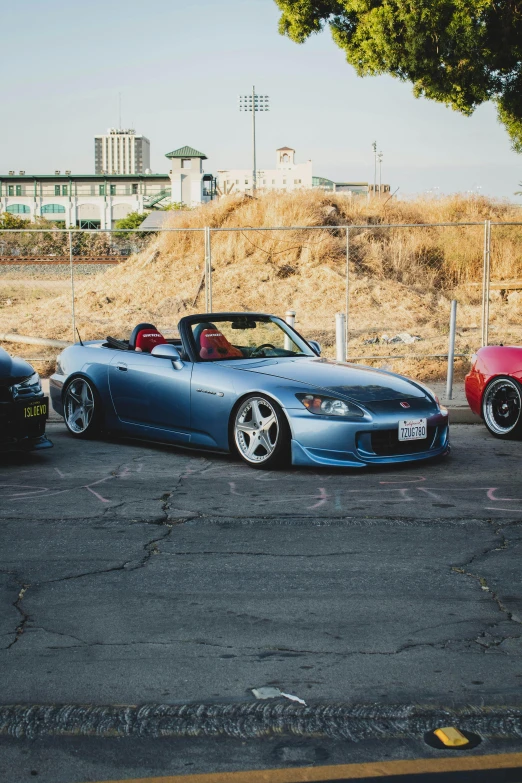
<point>193,405</point>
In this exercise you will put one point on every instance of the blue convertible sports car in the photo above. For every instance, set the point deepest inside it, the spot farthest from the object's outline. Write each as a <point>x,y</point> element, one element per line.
<point>250,384</point>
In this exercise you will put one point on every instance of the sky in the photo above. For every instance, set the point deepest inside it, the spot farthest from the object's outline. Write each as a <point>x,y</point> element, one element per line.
<point>180,67</point>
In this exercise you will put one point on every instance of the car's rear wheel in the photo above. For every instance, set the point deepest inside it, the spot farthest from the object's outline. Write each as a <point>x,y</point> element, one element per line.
<point>260,432</point>
<point>82,408</point>
<point>502,407</point>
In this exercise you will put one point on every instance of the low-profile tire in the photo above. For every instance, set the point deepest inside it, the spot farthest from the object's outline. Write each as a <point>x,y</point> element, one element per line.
<point>82,408</point>
<point>502,407</point>
<point>260,433</point>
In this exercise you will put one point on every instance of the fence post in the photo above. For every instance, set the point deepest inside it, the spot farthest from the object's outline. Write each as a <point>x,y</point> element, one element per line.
<point>347,293</point>
<point>451,349</point>
<point>207,271</point>
<point>71,267</point>
<point>209,256</point>
<point>340,337</point>
<point>486,283</point>
<point>290,320</point>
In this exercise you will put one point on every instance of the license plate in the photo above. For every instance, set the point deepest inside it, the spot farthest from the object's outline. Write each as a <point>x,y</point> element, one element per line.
<point>412,429</point>
<point>34,411</point>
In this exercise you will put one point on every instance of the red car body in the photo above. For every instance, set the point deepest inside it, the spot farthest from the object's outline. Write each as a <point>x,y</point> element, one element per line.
<point>488,363</point>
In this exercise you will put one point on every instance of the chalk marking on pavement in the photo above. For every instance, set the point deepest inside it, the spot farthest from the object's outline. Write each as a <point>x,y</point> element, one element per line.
<point>323,497</point>
<point>433,495</point>
<point>233,491</point>
<point>491,495</point>
<point>338,503</point>
<point>94,483</point>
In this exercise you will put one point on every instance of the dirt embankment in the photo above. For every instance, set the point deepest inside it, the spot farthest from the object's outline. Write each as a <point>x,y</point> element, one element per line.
<point>401,279</point>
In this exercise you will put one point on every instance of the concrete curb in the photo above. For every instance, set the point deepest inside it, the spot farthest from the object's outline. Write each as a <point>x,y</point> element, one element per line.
<point>251,720</point>
<point>463,416</point>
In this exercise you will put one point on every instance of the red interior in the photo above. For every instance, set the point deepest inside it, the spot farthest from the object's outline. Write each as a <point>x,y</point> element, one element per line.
<point>148,338</point>
<point>214,346</point>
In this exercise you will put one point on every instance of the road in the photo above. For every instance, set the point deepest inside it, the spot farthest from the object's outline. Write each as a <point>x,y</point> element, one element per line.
<point>134,573</point>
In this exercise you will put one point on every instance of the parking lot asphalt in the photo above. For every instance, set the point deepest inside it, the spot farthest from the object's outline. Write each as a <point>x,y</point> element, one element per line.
<point>134,573</point>
<point>134,481</point>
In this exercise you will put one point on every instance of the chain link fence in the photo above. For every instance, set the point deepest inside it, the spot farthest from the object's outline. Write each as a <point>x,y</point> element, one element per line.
<point>393,283</point>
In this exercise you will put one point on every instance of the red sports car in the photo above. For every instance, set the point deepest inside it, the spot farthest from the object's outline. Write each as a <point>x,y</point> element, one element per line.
<point>494,389</point>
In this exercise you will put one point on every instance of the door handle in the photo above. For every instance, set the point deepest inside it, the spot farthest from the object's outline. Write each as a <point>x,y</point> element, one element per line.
<point>122,367</point>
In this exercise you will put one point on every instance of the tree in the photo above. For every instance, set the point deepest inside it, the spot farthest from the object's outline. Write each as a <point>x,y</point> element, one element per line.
<point>133,220</point>
<point>7,220</point>
<point>458,52</point>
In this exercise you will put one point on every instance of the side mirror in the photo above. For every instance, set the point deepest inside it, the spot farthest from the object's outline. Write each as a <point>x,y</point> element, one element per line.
<point>315,346</point>
<point>168,351</point>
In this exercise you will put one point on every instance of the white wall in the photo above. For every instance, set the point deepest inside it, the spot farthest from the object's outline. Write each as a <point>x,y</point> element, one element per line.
<point>106,209</point>
<point>300,176</point>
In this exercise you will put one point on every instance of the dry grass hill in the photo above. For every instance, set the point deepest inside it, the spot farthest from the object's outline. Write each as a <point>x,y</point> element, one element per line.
<point>401,279</point>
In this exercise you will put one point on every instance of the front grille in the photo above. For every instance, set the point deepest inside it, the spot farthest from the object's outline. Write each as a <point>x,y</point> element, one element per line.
<point>386,443</point>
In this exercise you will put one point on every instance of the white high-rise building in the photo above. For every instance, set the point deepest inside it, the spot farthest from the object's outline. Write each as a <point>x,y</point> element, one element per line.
<point>121,151</point>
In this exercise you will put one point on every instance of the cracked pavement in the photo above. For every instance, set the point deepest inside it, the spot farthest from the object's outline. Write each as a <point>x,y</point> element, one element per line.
<point>136,573</point>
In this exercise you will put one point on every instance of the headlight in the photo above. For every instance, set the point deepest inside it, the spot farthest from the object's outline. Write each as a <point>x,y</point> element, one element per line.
<point>32,383</point>
<point>329,406</point>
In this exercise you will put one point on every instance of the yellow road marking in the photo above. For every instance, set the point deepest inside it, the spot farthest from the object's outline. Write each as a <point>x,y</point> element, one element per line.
<point>348,771</point>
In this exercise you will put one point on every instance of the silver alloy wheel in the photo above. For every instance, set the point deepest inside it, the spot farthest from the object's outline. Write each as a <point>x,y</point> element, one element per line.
<point>79,405</point>
<point>502,406</point>
<point>256,430</point>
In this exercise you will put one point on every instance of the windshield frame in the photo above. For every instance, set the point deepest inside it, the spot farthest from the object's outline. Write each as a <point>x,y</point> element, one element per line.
<point>187,337</point>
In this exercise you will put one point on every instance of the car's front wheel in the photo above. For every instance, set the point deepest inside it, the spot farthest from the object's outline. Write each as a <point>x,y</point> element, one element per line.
<point>260,432</point>
<point>82,408</point>
<point>502,408</point>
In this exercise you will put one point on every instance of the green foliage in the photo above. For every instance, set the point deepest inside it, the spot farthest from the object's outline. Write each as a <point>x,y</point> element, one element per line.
<point>133,220</point>
<point>458,52</point>
<point>7,220</point>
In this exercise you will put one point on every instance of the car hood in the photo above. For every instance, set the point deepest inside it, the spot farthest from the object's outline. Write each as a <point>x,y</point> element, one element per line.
<point>13,369</point>
<point>360,384</point>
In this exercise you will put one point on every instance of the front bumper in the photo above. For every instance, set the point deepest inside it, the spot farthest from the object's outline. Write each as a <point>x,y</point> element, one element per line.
<point>357,444</point>
<point>22,424</point>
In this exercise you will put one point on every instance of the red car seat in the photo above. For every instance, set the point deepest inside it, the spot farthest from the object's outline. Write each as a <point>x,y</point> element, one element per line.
<point>213,345</point>
<point>145,337</point>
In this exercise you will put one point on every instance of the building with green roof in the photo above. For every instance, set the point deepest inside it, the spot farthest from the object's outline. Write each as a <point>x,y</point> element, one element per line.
<point>99,200</point>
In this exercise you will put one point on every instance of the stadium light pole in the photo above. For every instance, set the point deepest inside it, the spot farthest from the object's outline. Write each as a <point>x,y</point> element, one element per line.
<point>253,103</point>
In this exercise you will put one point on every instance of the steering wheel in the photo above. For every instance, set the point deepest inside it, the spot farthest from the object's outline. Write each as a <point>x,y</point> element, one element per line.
<point>260,348</point>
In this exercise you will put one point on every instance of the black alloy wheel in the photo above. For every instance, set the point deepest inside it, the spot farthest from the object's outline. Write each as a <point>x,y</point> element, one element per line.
<point>502,407</point>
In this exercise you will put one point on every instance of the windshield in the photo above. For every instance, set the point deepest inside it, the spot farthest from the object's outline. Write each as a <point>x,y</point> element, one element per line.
<point>246,337</point>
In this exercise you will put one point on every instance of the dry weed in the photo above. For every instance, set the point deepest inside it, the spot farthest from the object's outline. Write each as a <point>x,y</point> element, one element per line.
<point>402,279</point>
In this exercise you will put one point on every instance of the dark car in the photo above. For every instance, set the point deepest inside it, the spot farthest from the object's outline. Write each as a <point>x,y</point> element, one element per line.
<point>23,406</point>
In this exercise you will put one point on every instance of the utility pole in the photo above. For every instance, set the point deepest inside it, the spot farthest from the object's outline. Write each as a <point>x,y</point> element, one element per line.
<point>374,145</point>
<point>380,173</point>
<point>254,103</point>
